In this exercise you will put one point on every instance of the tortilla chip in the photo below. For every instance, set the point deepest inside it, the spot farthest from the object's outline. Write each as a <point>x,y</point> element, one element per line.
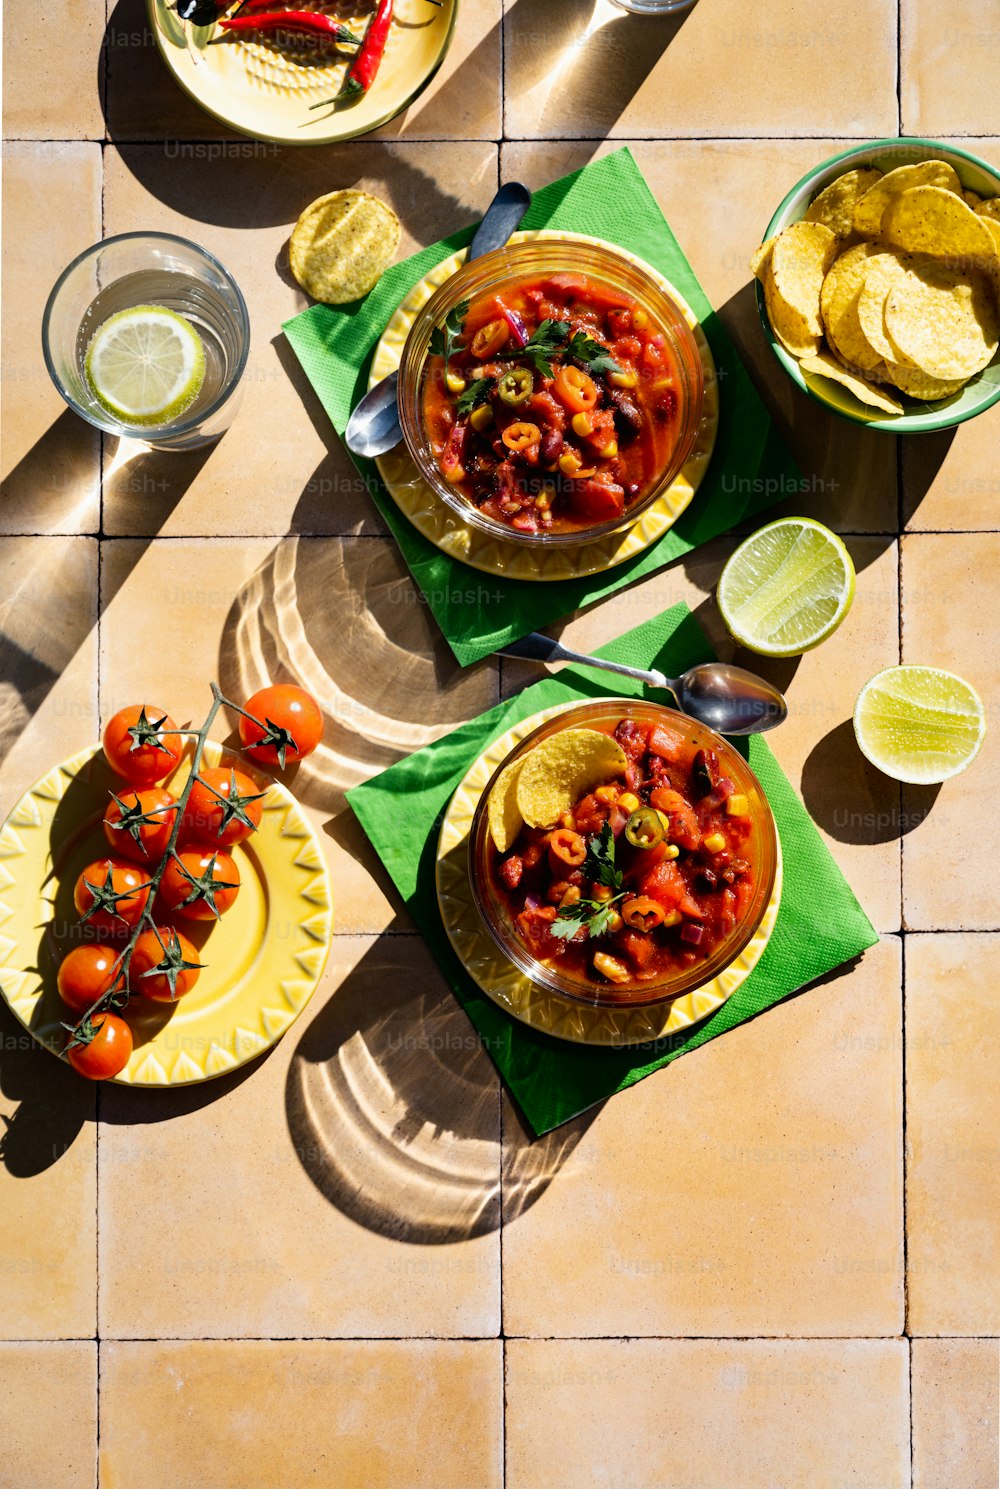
<point>869,210</point>
<point>502,809</point>
<point>801,257</point>
<point>561,769</point>
<point>928,219</point>
<point>866,392</point>
<point>943,320</point>
<point>834,207</point>
<point>342,244</point>
<point>839,305</point>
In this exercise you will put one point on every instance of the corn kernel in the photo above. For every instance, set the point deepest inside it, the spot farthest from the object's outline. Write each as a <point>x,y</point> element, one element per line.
<point>582,425</point>
<point>610,967</point>
<point>615,922</point>
<point>624,379</point>
<point>569,462</point>
<point>662,383</point>
<point>600,893</point>
<point>582,475</point>
<point>481,417</point>
<point>714,843</point>
<point>607,794</point>
<point>738,806</point>
<point>629,802</point>
<point>672,851</point>
<point>543,501</point>
<point>453,473</point>
<point>454,382</point>
<point>571,897</point>
<point>672,917</point>
<point>640,320</point>
<point>568,821</point>
<point>607,451</point>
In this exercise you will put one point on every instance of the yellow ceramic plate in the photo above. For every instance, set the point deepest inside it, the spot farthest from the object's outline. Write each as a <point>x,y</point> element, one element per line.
<point>501,981</point>
<point>266,91</point>
<point>263,959</point>
<point>439,524</point>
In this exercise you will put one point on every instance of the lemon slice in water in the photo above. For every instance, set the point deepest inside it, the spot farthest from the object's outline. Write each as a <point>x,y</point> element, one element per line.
<point>919,724</point>
<point>146,365</point>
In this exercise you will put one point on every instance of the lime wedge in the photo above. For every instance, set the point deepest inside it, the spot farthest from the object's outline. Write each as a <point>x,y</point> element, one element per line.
<point>786,588</point>
<point>919,724</point>
<point>146,365</point>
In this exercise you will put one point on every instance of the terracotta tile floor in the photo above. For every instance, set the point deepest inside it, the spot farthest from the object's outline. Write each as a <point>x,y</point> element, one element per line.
<point>774,1264</point>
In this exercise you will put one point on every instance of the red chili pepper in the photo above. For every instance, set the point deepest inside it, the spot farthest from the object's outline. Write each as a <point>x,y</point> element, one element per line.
<point>309,22</point>
<point>361,73</point>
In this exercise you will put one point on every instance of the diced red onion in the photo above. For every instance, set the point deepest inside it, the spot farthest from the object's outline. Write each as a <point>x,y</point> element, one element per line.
<point>692,934</point>
<point>724,789</point>
<point>518,329</point>
<point>617,819</point>
<point>532,902</point>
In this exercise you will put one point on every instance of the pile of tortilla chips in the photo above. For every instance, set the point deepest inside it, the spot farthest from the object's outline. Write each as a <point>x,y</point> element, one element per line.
<point>889,284</point>
<point>549,780</point>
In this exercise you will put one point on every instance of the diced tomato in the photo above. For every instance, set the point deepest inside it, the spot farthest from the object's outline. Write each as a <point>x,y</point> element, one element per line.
<point>633,738</point>
<point>590,815</point>
<point>598,502</point>
<point>546,410</point>
<point>684,828</point>
<point>689,906</point>
<point>666,743</point>
<point>535,927</point>
<point>664,884</point>
<point>533,855</point>
<point>639,949</point>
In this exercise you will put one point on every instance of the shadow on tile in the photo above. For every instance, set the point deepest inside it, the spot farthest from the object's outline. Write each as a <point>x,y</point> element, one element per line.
<point>345,620</point>
<point>394,1109</point>
<point>854,802</point>
<point>581,42</point>
<point>53,1102</point>
<point>61,463</point>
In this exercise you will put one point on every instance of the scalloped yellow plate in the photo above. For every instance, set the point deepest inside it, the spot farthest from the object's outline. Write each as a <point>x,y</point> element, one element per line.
<point>263,959</point>
<point>515,993</point>
<point>267,91</point>
<point>439,524</point>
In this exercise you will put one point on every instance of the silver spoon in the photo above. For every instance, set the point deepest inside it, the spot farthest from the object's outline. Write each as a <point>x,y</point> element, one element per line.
<point>728,699</point>
<point>373,428</point>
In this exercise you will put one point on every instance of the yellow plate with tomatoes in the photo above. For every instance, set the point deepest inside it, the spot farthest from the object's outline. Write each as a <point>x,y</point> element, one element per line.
<point>260,961</point>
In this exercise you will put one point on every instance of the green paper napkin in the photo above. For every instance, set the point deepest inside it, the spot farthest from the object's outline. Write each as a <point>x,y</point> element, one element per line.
<point>750,469</point>
<point>820,924</point>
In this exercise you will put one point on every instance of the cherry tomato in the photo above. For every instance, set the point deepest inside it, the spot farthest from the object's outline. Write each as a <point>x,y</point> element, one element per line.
<point>205,814</point>
<point>219,882</point>
<point>150,952</point>
<point>127,879</point>
<point>86,974</point>
<point>293,712</point>
<point>107,1053</point>
<point>148,762</point>
<point>148,842</point>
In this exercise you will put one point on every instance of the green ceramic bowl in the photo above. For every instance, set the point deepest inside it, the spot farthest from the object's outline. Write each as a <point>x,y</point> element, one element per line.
<point>921,418</point>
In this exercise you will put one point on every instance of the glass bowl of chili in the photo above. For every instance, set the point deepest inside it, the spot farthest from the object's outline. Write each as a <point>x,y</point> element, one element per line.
<point>652,884</point>
<point>550,392</point>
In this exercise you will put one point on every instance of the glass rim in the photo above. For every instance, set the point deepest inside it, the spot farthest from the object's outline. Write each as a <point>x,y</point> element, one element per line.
<point>147,435</point>
<point>496,267</point>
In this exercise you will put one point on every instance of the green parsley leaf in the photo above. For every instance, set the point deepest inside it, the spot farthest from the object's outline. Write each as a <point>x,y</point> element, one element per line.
<point>584,348</point>
<point>542,345</point>
<point>599,864</point>
<point>443,342</point>
<point>475,393</point>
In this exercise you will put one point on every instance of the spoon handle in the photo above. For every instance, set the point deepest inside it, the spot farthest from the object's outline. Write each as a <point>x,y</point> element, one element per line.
<point>538,648</point>
<point>501,218</point>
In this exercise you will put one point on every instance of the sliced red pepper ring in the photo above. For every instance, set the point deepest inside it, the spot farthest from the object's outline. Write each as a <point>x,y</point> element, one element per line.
<point>489,339</point>
<point>521,436</point>
<point>568,846</point>
<point>644,829</point>
<point>575,389</point>
<point>642,914</point>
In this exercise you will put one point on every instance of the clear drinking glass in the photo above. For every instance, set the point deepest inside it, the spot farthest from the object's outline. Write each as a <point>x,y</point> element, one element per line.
<point>653,7</point>
<point>150,269</point>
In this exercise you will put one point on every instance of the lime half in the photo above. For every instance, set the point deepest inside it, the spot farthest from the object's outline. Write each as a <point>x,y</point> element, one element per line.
<point>786,588</point>
<point>919,724</point>
<point>146,365</point>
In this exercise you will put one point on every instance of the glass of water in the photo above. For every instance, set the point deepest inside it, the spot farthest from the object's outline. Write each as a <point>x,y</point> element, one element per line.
<point>653,7</point>
<point>168,275</point>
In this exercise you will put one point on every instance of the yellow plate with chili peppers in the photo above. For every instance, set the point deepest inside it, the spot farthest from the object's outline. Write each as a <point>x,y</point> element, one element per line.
<point>262,959</point>
<point>514,992</point>
<point>272,84</point>
<point>491,554</point>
